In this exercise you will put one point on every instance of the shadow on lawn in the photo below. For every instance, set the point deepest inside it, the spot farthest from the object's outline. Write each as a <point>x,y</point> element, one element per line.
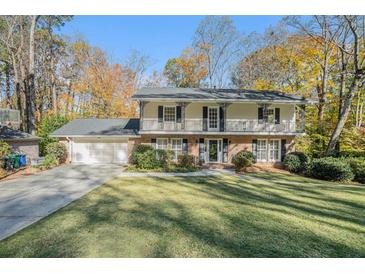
<point>240,245</point>
<point>248,216</point>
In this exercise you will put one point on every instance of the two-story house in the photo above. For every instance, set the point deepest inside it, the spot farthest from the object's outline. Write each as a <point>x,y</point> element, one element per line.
<point>211,124</point>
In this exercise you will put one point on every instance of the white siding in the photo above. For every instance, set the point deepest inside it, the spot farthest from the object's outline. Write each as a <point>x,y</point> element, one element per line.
<point>234,111</point>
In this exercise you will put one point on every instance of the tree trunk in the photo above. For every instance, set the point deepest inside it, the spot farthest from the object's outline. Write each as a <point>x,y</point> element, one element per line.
<point>323,89</point>
<point>321,102</point>
<point>18,92</point>
<point>30,78</point>
<point>342,92</point>
<point>53,88</point>
<point>344,114</point>
<point>359,109</point>
<point>22,77</point>
<point>7,87</point>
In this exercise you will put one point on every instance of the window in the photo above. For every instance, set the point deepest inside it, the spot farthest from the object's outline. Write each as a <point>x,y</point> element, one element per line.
<point>274,150</point>
<point>177,147</point>
<point>169,114</point>
<point>161,143</point>
<point>269,115</point>
<point>213,118</point>
<point>261,150</point>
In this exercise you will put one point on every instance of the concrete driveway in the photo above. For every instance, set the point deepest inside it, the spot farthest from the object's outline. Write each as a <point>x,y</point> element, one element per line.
<point>26,200</point>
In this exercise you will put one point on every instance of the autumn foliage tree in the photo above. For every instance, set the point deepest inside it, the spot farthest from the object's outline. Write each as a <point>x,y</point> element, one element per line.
<point>187,70</point>
<point>96,87</point>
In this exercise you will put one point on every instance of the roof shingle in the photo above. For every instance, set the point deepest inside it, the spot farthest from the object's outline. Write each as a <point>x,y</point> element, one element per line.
<point>9,134</point>
<point>98,127</point>
<point>205,94</point>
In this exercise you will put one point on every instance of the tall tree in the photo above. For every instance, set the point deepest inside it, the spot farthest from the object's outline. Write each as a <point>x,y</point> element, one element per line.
<point>355,48</point>
<point>19,35</point>
<point>286,65</point>
<point>319,29</point>
<point>188,70</point>
<point>219,41</point>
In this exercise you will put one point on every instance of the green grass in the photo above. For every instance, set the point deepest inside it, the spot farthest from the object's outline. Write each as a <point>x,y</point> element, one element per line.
<point>170,169</point>
<point>256,215</point>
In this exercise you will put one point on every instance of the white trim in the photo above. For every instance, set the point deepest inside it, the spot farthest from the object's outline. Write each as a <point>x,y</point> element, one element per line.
<point>163,114</point>
<point>96,136</point>
<point>220,133</point>
<point>219,153</point>
<point>208,120</point>
<point>267,160</point>
<point>257,151</point>
<point>298,102</point>
<point>279,150</point>
<point>167,143</point>
<point>171,148</point>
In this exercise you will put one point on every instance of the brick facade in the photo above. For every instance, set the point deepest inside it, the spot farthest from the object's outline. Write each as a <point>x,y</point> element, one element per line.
<point>235,143</point>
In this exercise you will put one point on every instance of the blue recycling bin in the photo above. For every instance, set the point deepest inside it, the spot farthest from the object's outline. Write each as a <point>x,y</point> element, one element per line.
<point>22,160</point>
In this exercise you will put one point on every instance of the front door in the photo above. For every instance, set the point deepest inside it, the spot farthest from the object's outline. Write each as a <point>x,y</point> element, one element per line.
<point>214,151</point>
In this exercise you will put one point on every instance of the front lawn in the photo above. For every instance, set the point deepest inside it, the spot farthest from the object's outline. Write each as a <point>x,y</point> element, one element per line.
<point>167,169</point>
<point>256,215</point>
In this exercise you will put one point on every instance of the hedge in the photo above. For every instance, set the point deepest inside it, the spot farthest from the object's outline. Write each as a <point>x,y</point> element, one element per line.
<point>331,169</point>
<point>358,168</point>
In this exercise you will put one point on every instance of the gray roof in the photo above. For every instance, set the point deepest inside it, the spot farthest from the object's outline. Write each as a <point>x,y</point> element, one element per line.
<point>9,134</point>
<point>224,95</point>
<point>98,127</point>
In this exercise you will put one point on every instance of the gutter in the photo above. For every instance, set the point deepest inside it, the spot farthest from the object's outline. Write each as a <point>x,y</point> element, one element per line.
<point>93,136</point>
<point>299,102</point>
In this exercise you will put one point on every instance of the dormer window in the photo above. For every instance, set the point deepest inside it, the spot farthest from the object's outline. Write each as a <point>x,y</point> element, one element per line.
<point>169,114</point>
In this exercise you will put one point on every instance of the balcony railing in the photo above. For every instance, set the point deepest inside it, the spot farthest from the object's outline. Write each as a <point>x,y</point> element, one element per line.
<point>231,125</point>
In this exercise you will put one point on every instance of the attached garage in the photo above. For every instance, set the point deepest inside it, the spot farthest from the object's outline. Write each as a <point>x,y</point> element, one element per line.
<point>99,150</point>
<point>98,141</point>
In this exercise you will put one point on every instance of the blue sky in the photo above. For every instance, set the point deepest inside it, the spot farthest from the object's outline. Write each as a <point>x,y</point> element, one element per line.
<point>160,37</point>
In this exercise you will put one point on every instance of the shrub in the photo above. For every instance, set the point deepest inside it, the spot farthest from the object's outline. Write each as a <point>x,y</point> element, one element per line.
<point>145,157</point>
<point>138,150</point>
<point>296,162</point>
<point>164,156</point>
<point>142,148</point>
<point>358,168</point>
<point>49,124</point>
<point>58,150</point>
<point>351,154</point>
<point>185,160</point>
<point>50,161</point>
<point>292,163</point>
<point>243,159</point>
<point>4,149</point>
<point>332,169</point>
<point>147,160</point>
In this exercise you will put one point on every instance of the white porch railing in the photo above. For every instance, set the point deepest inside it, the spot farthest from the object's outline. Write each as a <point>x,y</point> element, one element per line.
<point>231,125</point>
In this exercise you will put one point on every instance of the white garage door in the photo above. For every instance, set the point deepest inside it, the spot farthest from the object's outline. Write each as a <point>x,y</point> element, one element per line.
<point>99,151</point>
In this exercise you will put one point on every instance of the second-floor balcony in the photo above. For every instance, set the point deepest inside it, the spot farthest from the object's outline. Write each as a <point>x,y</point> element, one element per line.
<point>230,125</point>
